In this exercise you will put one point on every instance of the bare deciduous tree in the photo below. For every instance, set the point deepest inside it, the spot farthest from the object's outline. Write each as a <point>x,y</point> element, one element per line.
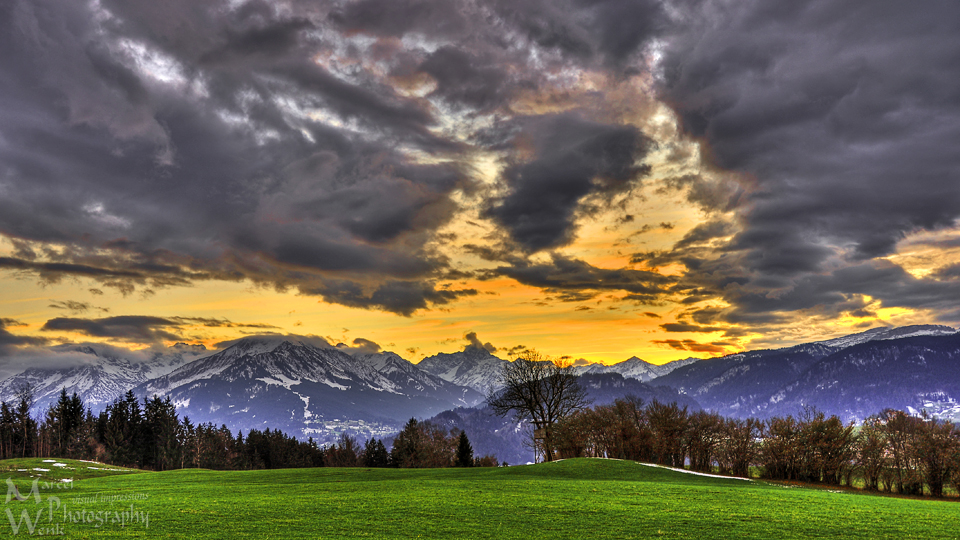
<point>541,391</point>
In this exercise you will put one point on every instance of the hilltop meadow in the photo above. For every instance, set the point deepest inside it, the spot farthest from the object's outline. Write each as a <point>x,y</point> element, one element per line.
<point>575,498</point>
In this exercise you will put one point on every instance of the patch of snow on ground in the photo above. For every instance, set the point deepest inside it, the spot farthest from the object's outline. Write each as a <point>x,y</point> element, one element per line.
<point>41,470</point>
<point>306,406</point>
<point>685,471</point>
<point>59,464</point>
<point>49,461</point>
<point>332,384</point>
<point>280,380</point>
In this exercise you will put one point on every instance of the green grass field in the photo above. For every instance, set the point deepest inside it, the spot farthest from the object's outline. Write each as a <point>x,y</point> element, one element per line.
<point>581,498</point>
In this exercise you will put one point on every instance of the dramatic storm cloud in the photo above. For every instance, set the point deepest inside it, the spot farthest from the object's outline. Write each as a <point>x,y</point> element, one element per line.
<point>152,147</point>
<point>148,147</point>
<point>573,158</point>
<point>841,120</point>
<point>703,173</point>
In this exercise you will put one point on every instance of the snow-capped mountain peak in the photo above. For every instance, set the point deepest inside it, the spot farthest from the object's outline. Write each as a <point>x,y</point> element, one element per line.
<point>473,367</point>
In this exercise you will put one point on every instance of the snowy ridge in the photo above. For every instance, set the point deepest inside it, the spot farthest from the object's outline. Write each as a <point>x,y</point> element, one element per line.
<point>635,368</point>
<point>412,378</point>
<point>276,362</point>
<point>875,334</point>
<point>480,370</point>
<point>102,376</point>
<point>474,368</point>
<point>306,390</point>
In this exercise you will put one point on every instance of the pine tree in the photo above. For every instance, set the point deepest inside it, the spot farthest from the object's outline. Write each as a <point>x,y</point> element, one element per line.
<point>26,426</point>
<point>160,429</point>
<point>464,451</point>
<point>375,454</point>
<point>123,431</point>
<point>408,446</point>
<point>63,424</point>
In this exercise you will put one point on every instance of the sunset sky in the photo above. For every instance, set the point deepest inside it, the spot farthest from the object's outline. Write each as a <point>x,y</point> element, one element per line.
<point>594,179</point>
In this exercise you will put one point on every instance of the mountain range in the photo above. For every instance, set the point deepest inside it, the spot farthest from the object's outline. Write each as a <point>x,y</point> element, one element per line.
<point>911,368</point>
<point>309,388</point>
<point>305,390</point>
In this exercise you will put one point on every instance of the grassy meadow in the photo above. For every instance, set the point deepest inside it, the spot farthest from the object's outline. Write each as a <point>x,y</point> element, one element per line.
<point>580,498</point>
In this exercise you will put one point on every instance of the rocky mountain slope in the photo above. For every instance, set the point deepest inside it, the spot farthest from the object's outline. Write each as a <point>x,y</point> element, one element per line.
<point>305,390</point>
<point>842,376</point>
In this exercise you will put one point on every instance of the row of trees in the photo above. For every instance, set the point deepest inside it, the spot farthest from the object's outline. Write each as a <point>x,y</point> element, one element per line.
<point>891,451</point>
<point>151,435</point>
<point>418,445</point>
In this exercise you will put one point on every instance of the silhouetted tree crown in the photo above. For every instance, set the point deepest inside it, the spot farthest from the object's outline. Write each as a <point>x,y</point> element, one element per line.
<point>541,391</point>
<point>464,451</point>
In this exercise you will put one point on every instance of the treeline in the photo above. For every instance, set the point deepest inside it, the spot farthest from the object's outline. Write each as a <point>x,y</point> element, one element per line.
<point>150,435</point>
<point>892,451</point>
<point>418,445</point>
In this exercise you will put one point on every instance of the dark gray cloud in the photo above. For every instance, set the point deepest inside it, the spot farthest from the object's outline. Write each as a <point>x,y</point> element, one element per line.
<point>575,280</point>
<point>686,327</point>
<point>397,18</point>
<point>141,328</point>
<point>463,78</point>
<point>475,343</point>
<point>401,297</point>
<point>574,158</point>
<point>604,31</point>
<point>167,146</point>
<point>211,322</point>
<point>321,146</point>
<point>845,114</point>
<point>608,30</point>
<point>949,272</point>
<point>842,121</point>
<point>9,341</point>
<point>129,328</point>
<point>75,306</point>
<point>147,146</point>
<point>366,346</point>
<point>704,233</point>
<point>715,348</point>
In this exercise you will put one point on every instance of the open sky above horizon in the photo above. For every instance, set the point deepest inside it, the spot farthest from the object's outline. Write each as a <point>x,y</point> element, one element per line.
<point>593,179</point>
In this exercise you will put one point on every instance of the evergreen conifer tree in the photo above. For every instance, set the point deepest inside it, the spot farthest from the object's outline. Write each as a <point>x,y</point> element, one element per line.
<point>464,451</point>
